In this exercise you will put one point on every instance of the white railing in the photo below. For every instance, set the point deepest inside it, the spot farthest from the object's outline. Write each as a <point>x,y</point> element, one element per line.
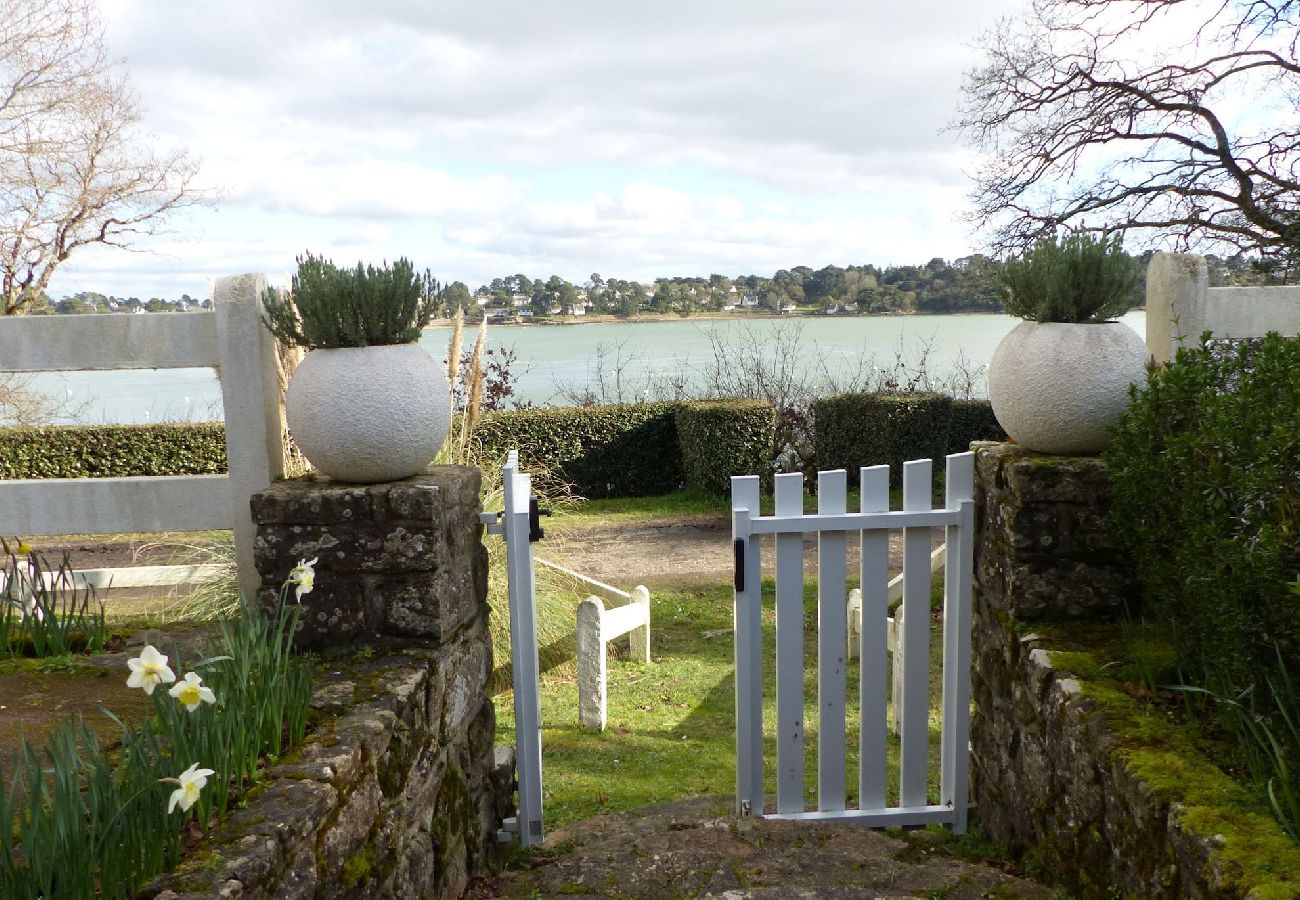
<point>597,625</point>
<point>893,628</point>
<point>1181,306</point>
<point>832,523</point>
<point>231,339</point>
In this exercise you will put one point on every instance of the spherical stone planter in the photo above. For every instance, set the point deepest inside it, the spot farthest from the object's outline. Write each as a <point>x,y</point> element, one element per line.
<point>1055,386</point>
<point>369,414</point>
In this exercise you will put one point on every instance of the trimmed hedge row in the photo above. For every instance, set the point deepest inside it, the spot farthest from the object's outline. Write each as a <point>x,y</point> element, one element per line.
<point>628,450</point>
<point>855,430</point>
<point>108,451</point>
<point>722,438</point>
<point>972,420</point>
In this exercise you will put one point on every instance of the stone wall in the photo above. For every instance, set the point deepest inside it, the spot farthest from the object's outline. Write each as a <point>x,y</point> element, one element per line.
<point>1053,773</point>
<point>398,791</point>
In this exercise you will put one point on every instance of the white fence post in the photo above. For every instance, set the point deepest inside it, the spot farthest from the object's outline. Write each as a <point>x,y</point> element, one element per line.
<point>591,665</point>
<point>250,395</point>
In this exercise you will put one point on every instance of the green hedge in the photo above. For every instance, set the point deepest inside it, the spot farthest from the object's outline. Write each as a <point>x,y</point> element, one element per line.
<point>1206,470</point>
<point>854,430</point>
<point>721,438</point>
<point>972,420</point>
<point>106,451</point>
<point>597,451</point>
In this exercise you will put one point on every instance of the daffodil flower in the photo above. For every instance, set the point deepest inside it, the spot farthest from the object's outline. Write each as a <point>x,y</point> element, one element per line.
<point>304,576</point>
<point>24,548</point>
<point>148,670</point>
<point>191,693</point>
<point>192,781</point>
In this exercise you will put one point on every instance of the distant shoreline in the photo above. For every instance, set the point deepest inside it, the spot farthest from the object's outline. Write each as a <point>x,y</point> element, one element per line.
<point>654,318</point>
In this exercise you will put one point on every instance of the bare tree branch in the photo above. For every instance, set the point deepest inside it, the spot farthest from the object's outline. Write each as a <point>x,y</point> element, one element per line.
<point>1178,118</point>
<point>73,169</point>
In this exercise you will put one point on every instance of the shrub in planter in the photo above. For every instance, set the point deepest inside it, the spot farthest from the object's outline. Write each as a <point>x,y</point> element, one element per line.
<point>722,438</point>
<point>618,450</point>
<point>367,403</point>
<point>1206,470</point>
<point>1061,376</point>
<point>854,430</point>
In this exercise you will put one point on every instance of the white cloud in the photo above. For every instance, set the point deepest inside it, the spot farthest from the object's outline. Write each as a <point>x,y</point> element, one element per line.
<point>487,138</point>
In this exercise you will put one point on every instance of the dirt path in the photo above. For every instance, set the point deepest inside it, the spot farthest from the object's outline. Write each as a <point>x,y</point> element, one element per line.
<point>696,848</point>
<point>684,549</point>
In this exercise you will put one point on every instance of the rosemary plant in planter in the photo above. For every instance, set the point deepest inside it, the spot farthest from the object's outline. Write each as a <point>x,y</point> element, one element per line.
<point>1063,375</point>
<point>367,403</point>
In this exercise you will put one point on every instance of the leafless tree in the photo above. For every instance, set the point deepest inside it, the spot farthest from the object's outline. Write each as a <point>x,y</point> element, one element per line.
<point>1179,119</point>
<point>73,168</point>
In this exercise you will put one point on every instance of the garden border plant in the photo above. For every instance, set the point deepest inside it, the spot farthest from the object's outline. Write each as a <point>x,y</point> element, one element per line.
<point>84,822</point>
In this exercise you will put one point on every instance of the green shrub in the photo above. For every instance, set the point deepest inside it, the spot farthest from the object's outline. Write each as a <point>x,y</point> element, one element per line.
<point>330,307</point>
<point>1081,278</point>
<point>972,420</point>
<point>721,438</point>
<point>112,451</point>
<point>853,430</point>
<point>627,450</point>
<point>1206,469</point>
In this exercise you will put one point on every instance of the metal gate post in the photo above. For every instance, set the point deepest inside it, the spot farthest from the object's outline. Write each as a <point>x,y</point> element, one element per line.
<point>515,527</point>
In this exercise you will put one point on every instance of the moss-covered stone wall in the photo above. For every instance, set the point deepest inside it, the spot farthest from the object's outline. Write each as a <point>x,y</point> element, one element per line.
<point>1100,794</point>
<point>398,791</point>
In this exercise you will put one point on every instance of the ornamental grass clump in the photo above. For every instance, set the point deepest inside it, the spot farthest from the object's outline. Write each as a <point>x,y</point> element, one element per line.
<point>328,307</point>
<point>43,611</point>
<point>79,820</point>
<point>1078,278</point>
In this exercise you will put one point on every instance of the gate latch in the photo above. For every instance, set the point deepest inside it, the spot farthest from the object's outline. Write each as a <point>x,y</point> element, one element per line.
<point>535,532</point>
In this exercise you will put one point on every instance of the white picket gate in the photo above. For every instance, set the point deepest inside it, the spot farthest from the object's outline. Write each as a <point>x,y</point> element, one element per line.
<point>832,523</point>
<point>518,524</point>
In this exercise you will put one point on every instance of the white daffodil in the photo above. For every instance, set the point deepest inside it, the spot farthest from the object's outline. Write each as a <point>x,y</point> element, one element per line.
<point>304,576</point>
<point>148,670</point>
<point>191,692</point>
<point>192,781</point>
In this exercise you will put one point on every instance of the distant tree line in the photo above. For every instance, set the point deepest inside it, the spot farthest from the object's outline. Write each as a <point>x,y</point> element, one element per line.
<point>968,284</point>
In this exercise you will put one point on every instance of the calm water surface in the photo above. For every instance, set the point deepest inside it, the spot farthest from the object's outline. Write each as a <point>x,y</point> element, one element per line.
<point>553,360</point>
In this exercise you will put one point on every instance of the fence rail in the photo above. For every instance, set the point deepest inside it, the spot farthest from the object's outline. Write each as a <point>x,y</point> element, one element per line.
<point>597,625</point>
<point>232,339</point>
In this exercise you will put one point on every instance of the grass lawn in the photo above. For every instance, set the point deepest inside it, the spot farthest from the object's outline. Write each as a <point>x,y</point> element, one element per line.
<point>671,731</point>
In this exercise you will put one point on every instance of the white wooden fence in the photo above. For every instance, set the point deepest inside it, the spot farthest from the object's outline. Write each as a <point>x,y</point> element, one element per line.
<point>627,614</point>
<point>231,339</point>
<point>1181,306</point>
<point>832,522</point>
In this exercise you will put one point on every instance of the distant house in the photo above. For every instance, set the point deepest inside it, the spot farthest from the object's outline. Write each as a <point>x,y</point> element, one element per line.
<point>832,309</point>
<point>728,307</point>
<point>788,309</point>
<point>580,310</point>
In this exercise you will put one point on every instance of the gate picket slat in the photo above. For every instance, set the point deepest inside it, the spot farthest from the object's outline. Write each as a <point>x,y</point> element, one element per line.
<point>915,724</point>
<point>747,621</point>
<point>831,637</point>
<point>872,647</point>
<point>789,650</point>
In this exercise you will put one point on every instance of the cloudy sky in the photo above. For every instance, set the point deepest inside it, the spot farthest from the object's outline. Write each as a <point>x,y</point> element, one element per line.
<point>482,138</point>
